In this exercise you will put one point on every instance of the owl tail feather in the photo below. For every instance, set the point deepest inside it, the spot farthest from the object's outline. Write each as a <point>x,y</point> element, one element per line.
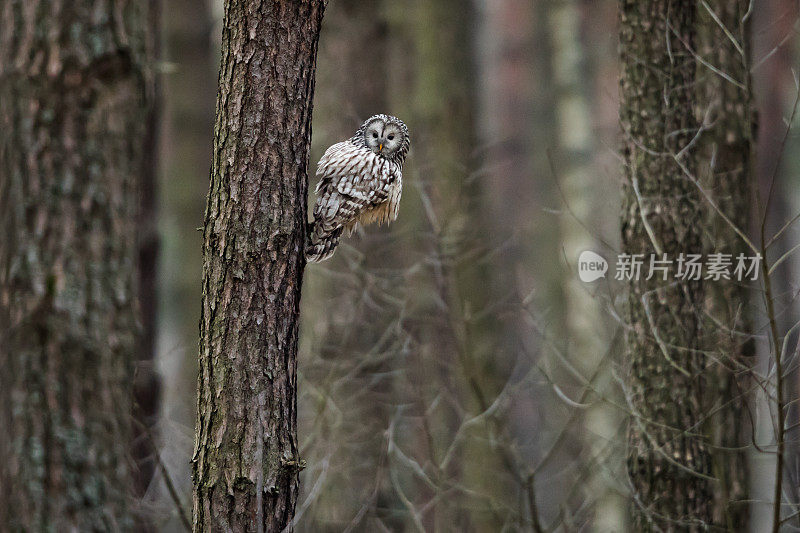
<point>321,242</point>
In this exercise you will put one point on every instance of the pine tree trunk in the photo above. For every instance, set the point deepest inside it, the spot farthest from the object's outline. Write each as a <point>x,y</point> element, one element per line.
<point>246,455</point>
<point>73,80</point>
<point>668,463</point>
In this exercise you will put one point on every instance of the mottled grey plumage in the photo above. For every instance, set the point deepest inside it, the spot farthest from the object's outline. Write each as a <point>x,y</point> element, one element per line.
<point>361,180</point>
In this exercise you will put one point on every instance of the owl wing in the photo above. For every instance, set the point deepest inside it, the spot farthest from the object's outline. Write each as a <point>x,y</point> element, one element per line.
<point>353,179</point>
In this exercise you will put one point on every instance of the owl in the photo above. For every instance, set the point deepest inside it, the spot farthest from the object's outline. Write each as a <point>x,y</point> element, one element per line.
<point>361,180</point>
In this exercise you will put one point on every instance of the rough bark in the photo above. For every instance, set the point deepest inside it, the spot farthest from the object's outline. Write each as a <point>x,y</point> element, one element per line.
<point>72,97</point>
<point>246,456</point>
<point>729,144</point>
<point>668,462</point>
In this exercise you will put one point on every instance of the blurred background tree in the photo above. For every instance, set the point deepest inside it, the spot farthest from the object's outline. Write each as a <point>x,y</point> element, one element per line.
<point>76,89</point>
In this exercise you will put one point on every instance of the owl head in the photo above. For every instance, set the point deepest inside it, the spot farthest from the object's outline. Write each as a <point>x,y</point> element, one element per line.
<point>385,135</point>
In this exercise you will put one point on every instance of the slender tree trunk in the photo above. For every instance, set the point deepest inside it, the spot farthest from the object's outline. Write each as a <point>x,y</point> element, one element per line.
<point>775,59</point>
<point>473,355</point>
<point>776,166</point>
<point>246,457</point>
<point>725,44</point>
<point>357,41</point>
<point>585,325</point>
<point>517,123</point>
<point>668,463</point>
<point>146,385</point>
<point>73,92</point>
<point>774,20</point>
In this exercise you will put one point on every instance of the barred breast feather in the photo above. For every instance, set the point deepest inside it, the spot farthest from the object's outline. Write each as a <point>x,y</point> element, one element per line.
<point>356,186</point>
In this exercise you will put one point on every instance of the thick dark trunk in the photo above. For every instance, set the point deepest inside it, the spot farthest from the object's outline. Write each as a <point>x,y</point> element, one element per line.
<point>668,462</point>
<point>246,458</point>
<point>73,80</point>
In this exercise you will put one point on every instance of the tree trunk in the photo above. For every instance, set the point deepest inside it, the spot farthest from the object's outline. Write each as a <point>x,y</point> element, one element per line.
<point>586,326</point>
<point>730,146</point>
<point>73,91</point>
<point>668,463</point>
<point>246,458</point>
<point>146,384</point>
<point>776,168</point>
<point>467,350</point>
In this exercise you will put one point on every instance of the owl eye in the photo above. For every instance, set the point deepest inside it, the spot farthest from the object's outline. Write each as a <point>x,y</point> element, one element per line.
<point>374,135</point>
<point>391,137</point>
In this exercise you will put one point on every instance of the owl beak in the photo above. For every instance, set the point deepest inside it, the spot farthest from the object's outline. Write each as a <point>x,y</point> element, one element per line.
<point>380,147</point>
